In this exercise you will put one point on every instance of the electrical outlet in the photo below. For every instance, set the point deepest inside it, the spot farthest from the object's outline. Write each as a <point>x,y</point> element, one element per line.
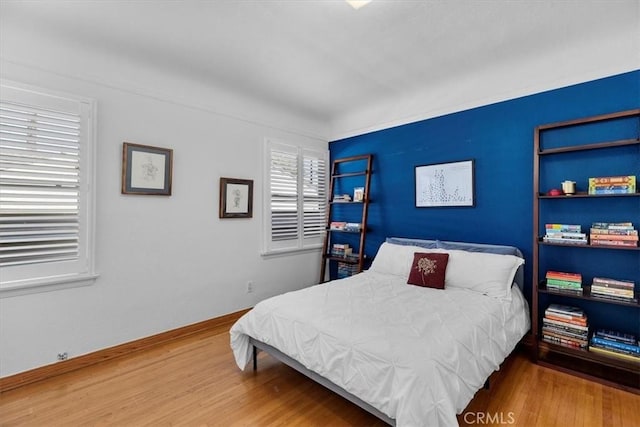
<point>249,286</point>
<point>63,356</point>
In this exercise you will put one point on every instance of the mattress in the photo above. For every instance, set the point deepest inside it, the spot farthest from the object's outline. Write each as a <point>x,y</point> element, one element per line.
<point>416,354</point>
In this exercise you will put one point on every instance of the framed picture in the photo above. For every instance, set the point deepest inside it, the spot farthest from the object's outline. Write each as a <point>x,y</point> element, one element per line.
<point>236,198</point>
<point>146,169</point>
<point>358,194</point>
<point>445,184</point>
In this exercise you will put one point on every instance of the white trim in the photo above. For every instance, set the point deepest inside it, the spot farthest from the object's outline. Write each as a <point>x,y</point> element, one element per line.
<point>46,284</point>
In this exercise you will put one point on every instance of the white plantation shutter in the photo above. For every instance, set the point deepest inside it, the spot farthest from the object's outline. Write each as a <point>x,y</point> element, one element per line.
<point>44,203</point>
<point>296,195</point>
<point>314,179</point>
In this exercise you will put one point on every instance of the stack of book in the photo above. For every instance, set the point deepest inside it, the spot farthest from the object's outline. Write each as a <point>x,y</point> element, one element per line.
<point>353,227</point>
<point>560,281</point>
<point>341,250</point>
<point>615,344</point>
<point>617,290</point>
<point>613,234</point>
<point>346,270</point>
<point>337,225</point>
<point>566,326</point>
<point>570,234</point>
<point>612,185</point>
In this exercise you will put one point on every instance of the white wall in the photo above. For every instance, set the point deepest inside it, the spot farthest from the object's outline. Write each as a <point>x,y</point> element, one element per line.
<point>164,262</point>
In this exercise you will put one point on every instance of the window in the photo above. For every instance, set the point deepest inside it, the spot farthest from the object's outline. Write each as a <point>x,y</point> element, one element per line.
<point>295,197</point>
<point>46,198</point>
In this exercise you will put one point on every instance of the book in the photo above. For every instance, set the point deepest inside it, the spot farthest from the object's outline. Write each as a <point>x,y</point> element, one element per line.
<point>597,236</point>
<point>617,345</point>
<point>606,231</point>
<point>613,180</point>
<point>608,242</point>
<point>613,225</point>
<point>615,354</point>
<point>567,342</point>
<point>561,324</point>
<point>561,275</point>
<point>563,284</point>
<point>565,310</point>
<point>563,227</point>
<point>615,298</point>
<point>616,336</point>
<point>565,241</point>
<point>603,281</point>
<point>612,291</point>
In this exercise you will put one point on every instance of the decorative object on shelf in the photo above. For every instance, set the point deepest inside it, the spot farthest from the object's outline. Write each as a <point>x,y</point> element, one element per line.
<point>236,198</point>
<point>569,187</point>
<point>613,185</point>
<point>555,192</point>
<point>146,170</point>
<point>358,194</point>
<point>445,184</point>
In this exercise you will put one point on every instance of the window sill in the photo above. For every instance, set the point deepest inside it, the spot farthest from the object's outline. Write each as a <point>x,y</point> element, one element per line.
<point>46,284</point>
<point>290,251</point>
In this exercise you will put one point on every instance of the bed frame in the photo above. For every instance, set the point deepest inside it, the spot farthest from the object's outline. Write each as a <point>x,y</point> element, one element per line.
<point>277,354</point>
<point>427,244</point>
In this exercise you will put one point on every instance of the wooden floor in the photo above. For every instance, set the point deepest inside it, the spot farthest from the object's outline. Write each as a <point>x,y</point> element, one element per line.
<point>194,382</point>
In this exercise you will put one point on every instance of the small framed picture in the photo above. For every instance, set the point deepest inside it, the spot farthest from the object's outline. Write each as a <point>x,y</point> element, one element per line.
<point>146,170</point>
<point>358,194</point>
<point>236,198</point>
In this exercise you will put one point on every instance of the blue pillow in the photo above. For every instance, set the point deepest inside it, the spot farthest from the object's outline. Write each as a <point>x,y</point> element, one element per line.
<point>404,241</point>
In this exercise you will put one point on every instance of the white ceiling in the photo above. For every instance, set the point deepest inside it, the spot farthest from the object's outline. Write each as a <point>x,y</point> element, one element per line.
<point>323,58</point>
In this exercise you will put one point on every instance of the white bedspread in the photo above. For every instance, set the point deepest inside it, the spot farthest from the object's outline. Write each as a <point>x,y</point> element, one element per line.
<point>417,354</point>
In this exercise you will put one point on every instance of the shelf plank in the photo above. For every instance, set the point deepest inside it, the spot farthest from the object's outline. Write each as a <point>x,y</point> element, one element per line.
<point>585,147</point>
<point>570,245</point>
<point>343,175</point>
<point>581,194</point>
<point>591,356</point>
<point>586,295</point>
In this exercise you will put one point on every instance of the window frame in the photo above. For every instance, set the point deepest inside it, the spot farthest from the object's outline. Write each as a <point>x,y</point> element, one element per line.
<point>54,275</point>
<point>300,243</point>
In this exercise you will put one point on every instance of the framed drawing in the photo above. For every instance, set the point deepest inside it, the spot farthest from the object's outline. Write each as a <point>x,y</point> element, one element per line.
<point>146,169</point>
<point>236,198</point>
<point>445,184</point>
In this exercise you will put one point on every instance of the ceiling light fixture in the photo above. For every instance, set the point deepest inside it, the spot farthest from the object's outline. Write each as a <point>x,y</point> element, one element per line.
<point>357,4</point>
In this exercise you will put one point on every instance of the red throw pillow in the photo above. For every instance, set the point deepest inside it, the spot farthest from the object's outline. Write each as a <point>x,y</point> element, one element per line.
<point>428,269</point>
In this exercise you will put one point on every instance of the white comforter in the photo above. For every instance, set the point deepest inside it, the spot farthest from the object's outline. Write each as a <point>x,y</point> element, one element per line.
<point>416,354</point>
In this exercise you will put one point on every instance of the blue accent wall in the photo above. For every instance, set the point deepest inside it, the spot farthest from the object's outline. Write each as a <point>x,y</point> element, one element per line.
<point>499,137</point>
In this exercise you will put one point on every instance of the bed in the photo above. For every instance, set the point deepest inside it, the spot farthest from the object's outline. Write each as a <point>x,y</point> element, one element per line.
<point>411,355</point>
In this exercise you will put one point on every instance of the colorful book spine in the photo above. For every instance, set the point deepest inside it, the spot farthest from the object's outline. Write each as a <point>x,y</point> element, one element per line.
<point>625,237</point>
<point>616,345</point>
<point>616,336</point>
<point>612,185</point>
<point>614,354</point>
<point>603,281</point>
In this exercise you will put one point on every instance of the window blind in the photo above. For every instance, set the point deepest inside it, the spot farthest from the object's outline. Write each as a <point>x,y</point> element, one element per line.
<point>39,184</point>
<point>297,194</point>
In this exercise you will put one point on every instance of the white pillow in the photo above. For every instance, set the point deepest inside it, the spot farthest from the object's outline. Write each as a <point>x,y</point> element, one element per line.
<point>397,259</point>
<point>486,273</point>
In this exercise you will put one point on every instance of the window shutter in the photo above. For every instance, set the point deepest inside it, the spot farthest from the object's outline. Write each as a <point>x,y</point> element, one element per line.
<point>314,194</point>
<point>296,197</point>
<point>45,174</point>
<point>39,180</point>
<point>284,194</point>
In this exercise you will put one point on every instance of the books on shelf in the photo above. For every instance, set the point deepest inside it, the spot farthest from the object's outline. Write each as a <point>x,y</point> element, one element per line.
<point>615,344</point>
<point>615,290</point>
<point>346,270</point>
<point>564,282</point>
<point>337,225</point>
<point>566,326</point>
<point>612,185</point>
<point>570,234</point>
<point>343,250</point>
<point>613,234</point>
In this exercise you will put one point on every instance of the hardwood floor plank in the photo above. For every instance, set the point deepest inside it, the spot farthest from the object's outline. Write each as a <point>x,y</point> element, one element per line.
<point>194,381</point>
